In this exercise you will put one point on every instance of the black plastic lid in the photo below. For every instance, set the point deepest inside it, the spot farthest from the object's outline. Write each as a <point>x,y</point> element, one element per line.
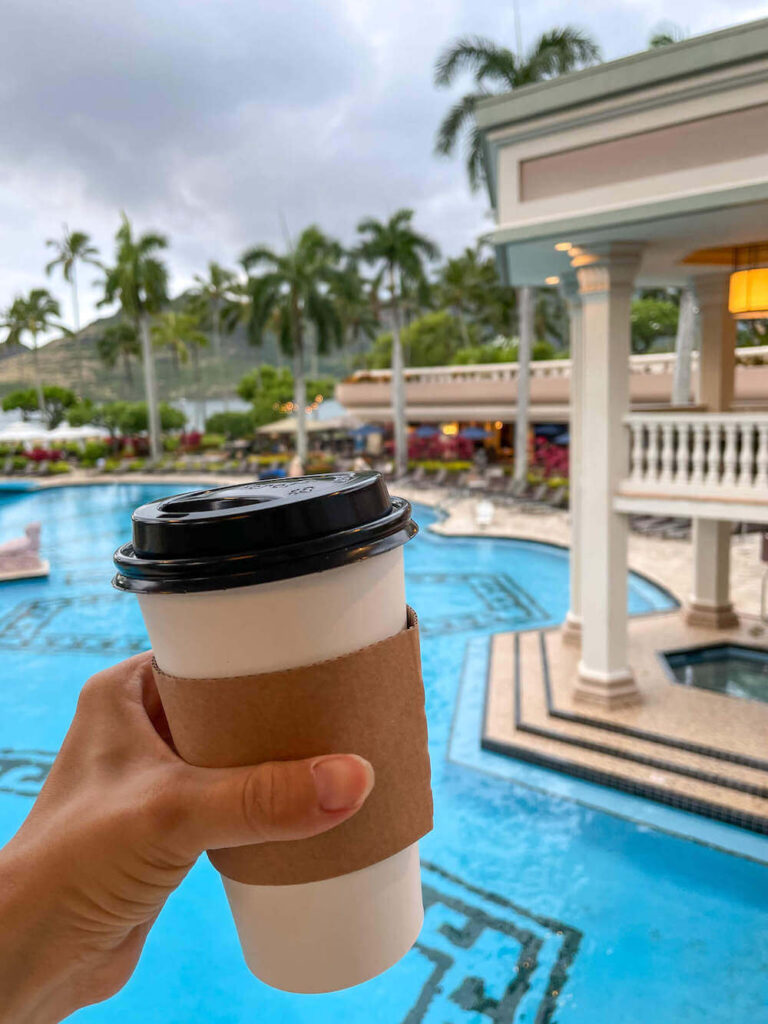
<point>259,532</point>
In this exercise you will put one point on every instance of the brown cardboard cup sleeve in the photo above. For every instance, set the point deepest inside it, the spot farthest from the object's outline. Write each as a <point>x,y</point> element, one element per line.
<point>369,702</point>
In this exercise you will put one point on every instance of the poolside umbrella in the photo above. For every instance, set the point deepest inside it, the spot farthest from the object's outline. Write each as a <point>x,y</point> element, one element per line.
<point>548,429</point>
<point>474,434</point>
<point>426,431</point>
<point>562,438</point>
<point>368,428</point>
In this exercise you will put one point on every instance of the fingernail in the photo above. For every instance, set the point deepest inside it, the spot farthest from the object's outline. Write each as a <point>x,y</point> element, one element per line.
<point>342,781</point>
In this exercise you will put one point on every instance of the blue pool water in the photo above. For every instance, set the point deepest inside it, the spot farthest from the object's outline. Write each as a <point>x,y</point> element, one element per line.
<point>540,909</point>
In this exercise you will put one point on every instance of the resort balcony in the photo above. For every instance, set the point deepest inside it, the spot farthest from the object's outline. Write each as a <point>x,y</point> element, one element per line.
<point>710,465</point>
<point>488,392</point>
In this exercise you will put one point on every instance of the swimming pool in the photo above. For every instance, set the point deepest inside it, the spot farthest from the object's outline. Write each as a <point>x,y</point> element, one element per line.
<point>733,669</point>
<point>540,909</point>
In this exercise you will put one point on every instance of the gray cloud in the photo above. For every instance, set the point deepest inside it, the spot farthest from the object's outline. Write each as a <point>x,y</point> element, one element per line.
<point>208,119</point>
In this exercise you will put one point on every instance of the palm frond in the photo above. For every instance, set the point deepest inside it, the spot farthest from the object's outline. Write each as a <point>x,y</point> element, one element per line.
<point>459,117</point>
<point>559,51</point>
<point>469,53</point>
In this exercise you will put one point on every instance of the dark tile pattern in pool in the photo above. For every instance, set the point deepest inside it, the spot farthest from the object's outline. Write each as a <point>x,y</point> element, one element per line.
<point>55,625</point>
<point>482,601</point>
<point>22,772</point>
<point>469,932</point>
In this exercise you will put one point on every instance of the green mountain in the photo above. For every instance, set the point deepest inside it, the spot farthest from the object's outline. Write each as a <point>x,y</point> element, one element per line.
<point>220,376</point>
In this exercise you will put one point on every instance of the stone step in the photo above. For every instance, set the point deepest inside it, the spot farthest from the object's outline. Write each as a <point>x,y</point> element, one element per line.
<point>519,722</point>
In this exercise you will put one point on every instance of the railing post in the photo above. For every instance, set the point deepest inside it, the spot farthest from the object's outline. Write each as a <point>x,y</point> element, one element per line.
<point>681,452</point>
<point>761,475</point>
<point>636,452</point>
<point>746,454</point>
<point>729,458</point>
<point>697,477</point>
<point>712,478</point>
<point>667,451</point>
<point>652,464</point>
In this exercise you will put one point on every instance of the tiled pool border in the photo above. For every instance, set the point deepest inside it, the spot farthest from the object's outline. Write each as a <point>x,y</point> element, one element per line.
<point>464,749</point>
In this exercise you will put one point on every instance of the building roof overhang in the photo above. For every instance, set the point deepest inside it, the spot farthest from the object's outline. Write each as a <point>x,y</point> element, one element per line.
<point>666,148</point>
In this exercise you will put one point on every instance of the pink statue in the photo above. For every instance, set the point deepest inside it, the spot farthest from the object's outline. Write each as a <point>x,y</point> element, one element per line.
<point>20,557</point>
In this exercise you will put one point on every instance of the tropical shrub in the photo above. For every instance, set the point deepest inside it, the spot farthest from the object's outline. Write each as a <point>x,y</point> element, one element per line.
<point>93,450</point>
<point>211,442</point>
<point>430,340</point>
<point>59,467</point>
<point>230,424</point>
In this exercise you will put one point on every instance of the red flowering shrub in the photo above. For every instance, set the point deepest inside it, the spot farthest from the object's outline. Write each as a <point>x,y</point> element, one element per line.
<point>190,442</point>
<point>44,455</point>
<point>551,460</point>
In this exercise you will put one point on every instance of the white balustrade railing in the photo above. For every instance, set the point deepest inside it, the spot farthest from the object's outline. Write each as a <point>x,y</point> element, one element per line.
<point>659,363</point>
<point>698,454</point>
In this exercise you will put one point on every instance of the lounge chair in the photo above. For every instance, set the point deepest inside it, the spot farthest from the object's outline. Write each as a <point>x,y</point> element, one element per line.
<point>496,479</point>
<point>516,488</point>
<point>558,497</point>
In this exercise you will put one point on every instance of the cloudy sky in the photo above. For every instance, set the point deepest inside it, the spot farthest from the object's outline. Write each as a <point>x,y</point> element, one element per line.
<point>212,119</point>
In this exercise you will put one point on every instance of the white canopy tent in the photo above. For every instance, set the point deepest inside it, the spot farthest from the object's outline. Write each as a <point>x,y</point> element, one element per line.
<point>329,426</point>
<point>26,432</point>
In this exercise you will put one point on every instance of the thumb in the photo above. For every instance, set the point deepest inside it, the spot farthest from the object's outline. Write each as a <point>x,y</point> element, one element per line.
<point>277,800</point>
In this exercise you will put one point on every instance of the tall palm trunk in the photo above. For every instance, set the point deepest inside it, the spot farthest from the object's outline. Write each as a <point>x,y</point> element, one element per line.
<point>76,322</point>
<point>198,386</point>
<point>150,386</point>
<point>686,335</point>
<point>314,355</point>
<point>36,370</point>
<point>399,415</point>
<point>299,386</point>
<point>525,344</point>
<point>216,328</point>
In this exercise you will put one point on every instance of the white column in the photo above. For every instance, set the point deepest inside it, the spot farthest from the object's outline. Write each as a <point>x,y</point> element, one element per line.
<point>572,626</point>
<point>606,277</point>
<point>684,342</point>
<point>524,346</point>
<point>710,604</point>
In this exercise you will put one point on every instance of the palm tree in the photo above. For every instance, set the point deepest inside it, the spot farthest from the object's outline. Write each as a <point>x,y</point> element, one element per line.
<point>32,315</point>
<point>554,53</point>
<point>469,286</point>
<point>181,334</point>
<point>216,295</point>
<point>399,252</point>
<point>292,295</point>
<point>666,34</point>
<point>139,282</point>
<point>73,248</point>
<point>356,306</point>
<point>119,342</point>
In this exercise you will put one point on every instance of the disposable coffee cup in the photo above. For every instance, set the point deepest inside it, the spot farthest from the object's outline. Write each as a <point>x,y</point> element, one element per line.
<point>268,576</point>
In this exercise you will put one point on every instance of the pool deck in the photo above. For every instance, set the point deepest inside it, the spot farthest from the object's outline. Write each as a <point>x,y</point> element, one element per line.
<point>696,750</point>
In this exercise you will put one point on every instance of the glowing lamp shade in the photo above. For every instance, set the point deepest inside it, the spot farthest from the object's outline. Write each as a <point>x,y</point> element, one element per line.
<point>748,294</point>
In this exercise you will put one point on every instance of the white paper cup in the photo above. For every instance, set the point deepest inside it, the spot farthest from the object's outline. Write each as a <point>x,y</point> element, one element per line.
<point>317,936</point>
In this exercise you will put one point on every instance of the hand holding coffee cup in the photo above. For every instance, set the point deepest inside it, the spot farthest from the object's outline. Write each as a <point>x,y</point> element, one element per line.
<point>276,611</point>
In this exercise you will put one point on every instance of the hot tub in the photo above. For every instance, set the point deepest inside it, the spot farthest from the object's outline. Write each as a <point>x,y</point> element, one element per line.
<point>733,669</point>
